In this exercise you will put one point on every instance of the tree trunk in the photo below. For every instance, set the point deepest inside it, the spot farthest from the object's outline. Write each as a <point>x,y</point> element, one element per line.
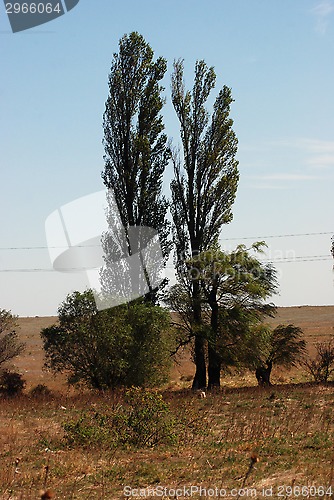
<point>214,364</point>
<point>199,381</point>
<point>214,368</point>
<point>263,374</point>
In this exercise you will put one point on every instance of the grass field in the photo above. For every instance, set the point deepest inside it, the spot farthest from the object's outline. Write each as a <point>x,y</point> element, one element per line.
<point>287,429</point>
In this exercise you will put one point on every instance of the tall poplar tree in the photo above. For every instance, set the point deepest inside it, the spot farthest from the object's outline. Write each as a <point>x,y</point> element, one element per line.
<point>136,151</point>
<point>204,185</point>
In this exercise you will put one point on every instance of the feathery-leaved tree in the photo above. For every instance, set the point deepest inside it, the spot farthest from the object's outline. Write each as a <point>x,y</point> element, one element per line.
<point>234,290</point>
<point>204,185</point>
<point>282,346</point>
<point>136,150</point>
<point>235,286</point>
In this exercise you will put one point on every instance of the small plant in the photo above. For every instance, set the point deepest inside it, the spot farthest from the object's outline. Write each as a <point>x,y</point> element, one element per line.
<point>322,366</point>
<point>253,460</point>
<point>11,383</point>
<point>91,429</point>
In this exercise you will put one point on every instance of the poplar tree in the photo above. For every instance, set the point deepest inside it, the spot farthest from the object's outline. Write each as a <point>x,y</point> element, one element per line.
<point>204,185</point>
<point>136,150</point>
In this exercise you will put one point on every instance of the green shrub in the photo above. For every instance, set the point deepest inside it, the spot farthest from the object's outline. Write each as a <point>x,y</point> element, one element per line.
<point>10,346</point>
<point>91,428</point>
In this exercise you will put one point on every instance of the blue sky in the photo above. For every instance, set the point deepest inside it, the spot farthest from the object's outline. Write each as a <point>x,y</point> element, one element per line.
<point>276,55</point>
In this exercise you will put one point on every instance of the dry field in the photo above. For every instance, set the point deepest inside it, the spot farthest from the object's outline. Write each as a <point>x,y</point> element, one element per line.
<point>62,442</point>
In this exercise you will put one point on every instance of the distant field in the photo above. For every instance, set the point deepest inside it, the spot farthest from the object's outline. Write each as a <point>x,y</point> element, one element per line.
<point>317,323</point>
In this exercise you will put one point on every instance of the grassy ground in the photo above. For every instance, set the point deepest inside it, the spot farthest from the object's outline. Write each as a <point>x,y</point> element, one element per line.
<point>288,430</point>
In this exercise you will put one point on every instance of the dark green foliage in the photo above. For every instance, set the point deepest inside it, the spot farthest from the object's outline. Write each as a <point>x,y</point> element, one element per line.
<point>149,359</point>
<point>144,420</point>
<point>206,175</point>
<point>284,346</point>
<point>11,383</point>
<point>10,346</point>
<point>124,345</point>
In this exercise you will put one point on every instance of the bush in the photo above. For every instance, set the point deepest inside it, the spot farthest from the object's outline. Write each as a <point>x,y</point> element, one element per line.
<point>144,420</point>
<point>10,347</point>
<point>322,366</point>
<point>11,383</point>
<point>122,346</point>
<point>282,346</point>
<point>148,419</point>
<point>40,391</point>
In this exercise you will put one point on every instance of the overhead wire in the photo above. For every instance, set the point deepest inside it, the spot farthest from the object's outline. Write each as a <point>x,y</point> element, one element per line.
<point>309,258</point>
<point>222,239</point>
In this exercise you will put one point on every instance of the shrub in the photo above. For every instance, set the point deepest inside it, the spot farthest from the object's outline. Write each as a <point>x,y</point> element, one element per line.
<point>125,345</point>
<point>144,420</point>
<point>91,428</point>
<point>322,366</point>
<point>40,391</point>
<point>148,420</point>
<point>282,346</point>
<point>11,383</point>
<point>10,347</point>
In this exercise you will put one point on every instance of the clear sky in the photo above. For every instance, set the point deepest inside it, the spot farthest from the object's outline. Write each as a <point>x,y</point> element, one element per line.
<point>276,55</point>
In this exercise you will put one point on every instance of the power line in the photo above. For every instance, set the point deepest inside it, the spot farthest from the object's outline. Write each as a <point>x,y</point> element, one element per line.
<point>310,258</point>
<point>224,239</point>
<point>48,248</point>
<point>278,236</point>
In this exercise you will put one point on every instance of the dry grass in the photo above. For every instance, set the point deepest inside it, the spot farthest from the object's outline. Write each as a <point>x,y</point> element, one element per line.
<point>290,428</point>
